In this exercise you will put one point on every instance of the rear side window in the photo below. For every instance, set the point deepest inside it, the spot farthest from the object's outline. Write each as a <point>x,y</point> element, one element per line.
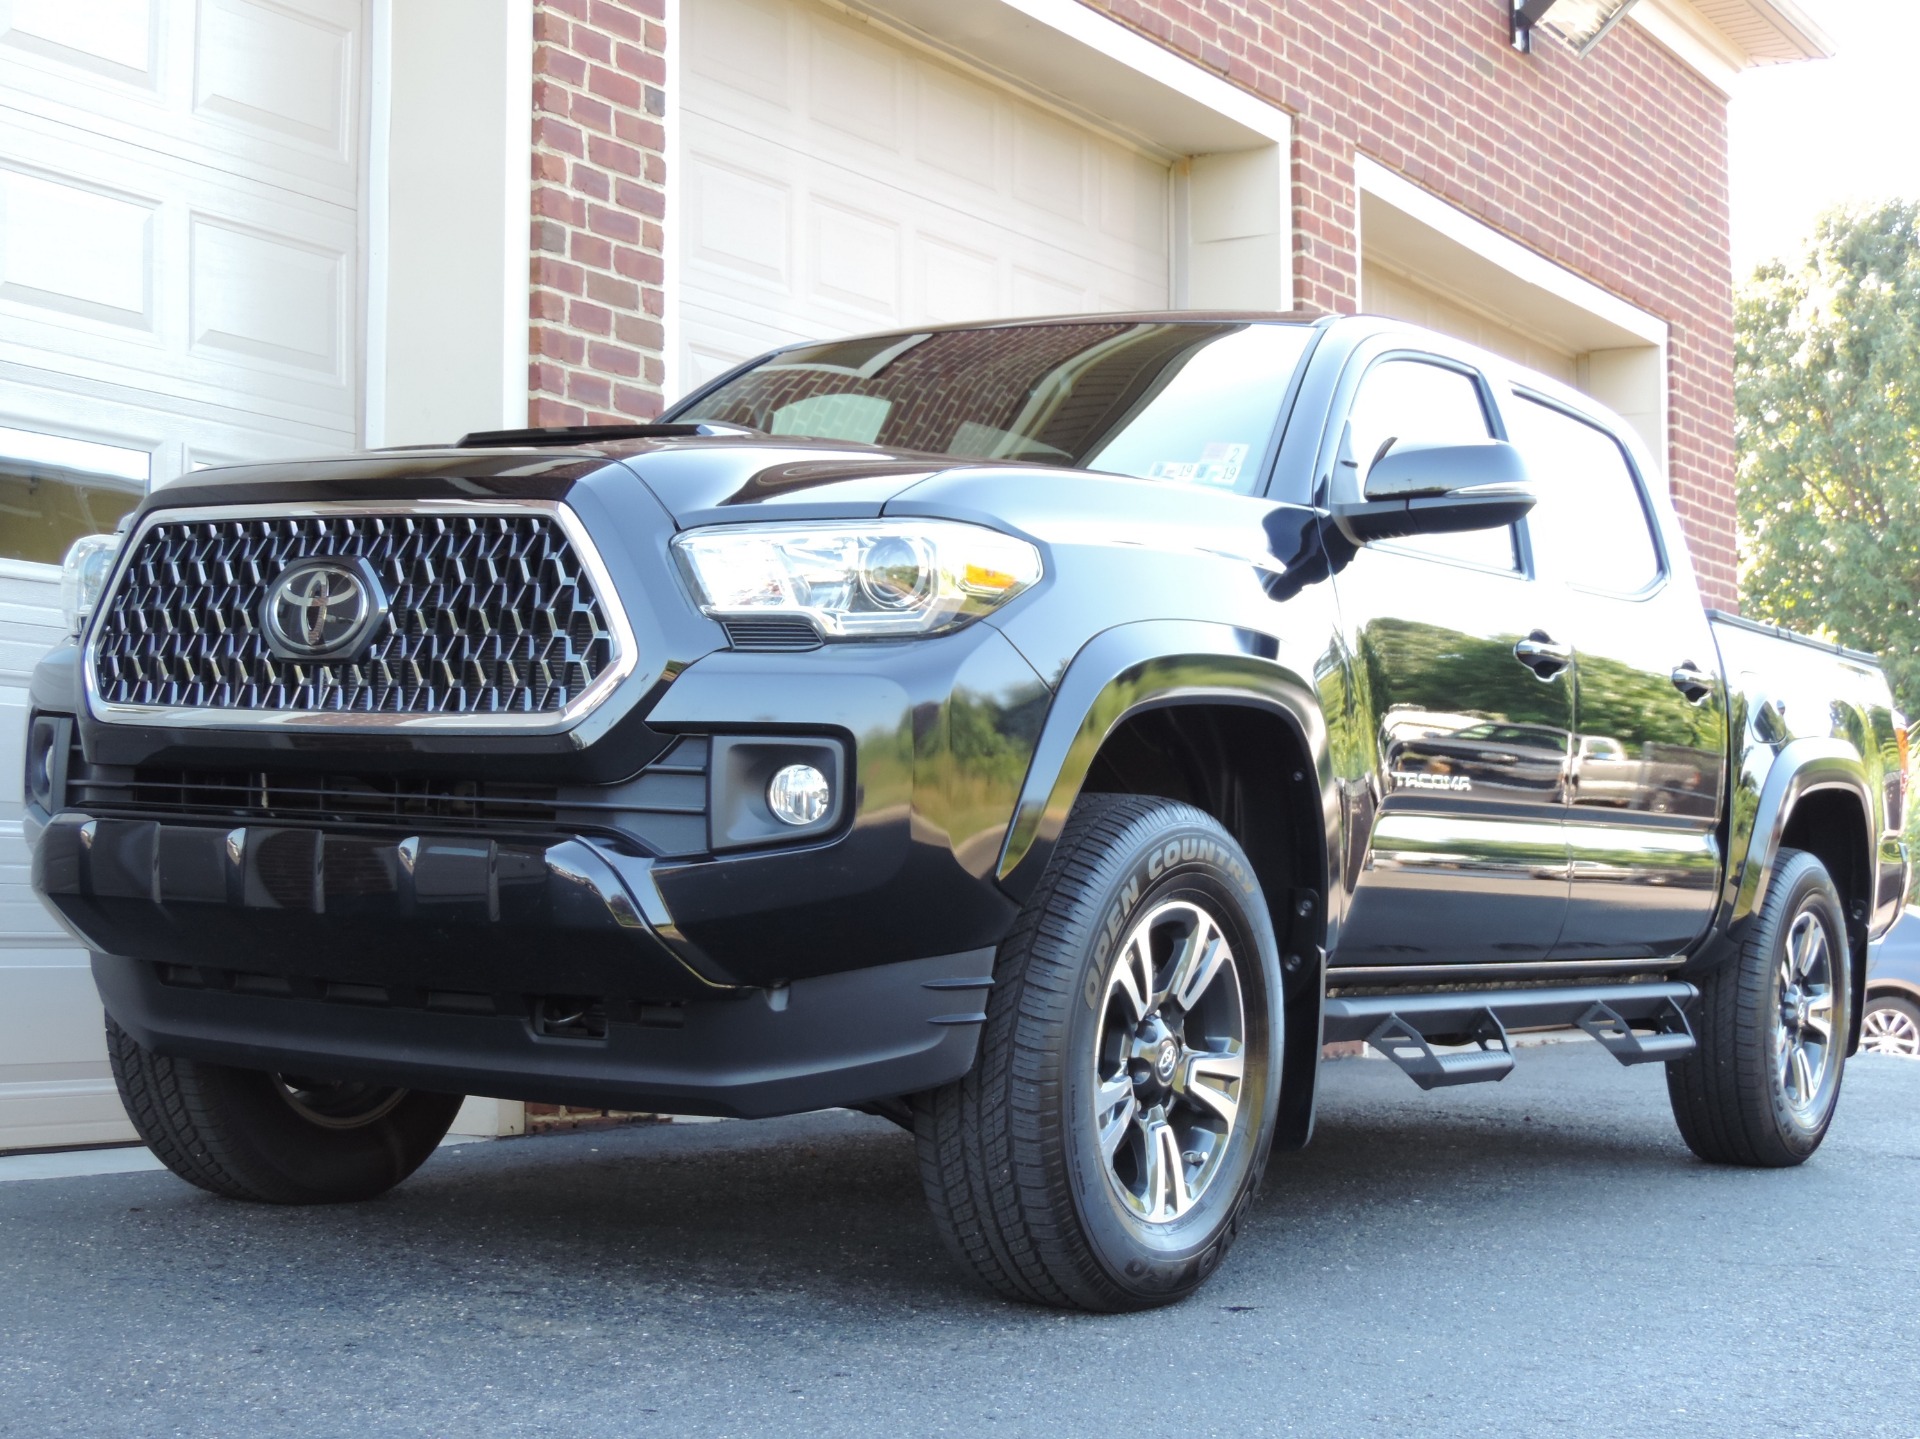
<point>1413,402</point>
<point>1591,525</point>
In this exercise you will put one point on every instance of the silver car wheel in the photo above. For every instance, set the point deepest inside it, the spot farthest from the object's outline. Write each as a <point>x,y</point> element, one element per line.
<point>1803,1039</point>
<point>1886,1029</point>
<point>343,1105</point>
<point>1169,1061</point>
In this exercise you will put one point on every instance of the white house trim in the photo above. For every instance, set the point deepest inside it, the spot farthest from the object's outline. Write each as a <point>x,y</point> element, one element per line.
<point>448,218</point>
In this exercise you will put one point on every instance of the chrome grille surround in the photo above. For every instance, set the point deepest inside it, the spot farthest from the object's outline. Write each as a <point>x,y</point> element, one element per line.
<point>503,618</point>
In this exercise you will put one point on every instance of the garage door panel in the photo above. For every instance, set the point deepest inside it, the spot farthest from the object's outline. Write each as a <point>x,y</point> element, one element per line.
<point>857,259</point>
<point>277,76</point>
<point>741,222</point>
<point>77,249</point>
<point>741,46</point>
<point>262,297</point>
<point>956,284</point>
<point>117,40</point>
<point>955,130</point>
<point>839,182</point>
<point>136,270</point>
<point>854,84</point>
<point>269,92</point>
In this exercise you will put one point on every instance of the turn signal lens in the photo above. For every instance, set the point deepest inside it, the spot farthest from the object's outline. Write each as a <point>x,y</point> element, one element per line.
<point>83,576</point>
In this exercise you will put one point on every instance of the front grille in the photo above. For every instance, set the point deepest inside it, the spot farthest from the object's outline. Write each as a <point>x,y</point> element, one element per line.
<point>489,615</point>
<point>664,807</point>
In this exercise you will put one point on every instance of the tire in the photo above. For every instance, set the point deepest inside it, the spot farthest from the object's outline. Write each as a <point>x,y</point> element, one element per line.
<point>1099,1157</point>
<point>274,1139</point>
<point>1890,1024</point>
<point>1760,1090</point>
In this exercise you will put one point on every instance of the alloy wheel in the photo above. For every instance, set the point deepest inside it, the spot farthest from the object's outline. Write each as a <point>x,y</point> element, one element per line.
<point>1170,1061</point>
<point>1888,1030</point>
<point>1803,1040</point>
<point>344,1105</point>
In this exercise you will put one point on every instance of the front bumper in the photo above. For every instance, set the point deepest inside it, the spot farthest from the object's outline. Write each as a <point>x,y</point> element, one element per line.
<point>842,1039</point>
<point>472,965</point>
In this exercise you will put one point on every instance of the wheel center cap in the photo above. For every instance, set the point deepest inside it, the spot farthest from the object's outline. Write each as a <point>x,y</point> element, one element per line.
<point>1168,1060</point>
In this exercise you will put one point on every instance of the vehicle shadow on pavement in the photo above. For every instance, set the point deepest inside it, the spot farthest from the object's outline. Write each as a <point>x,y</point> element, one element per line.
<point>827,1208</point>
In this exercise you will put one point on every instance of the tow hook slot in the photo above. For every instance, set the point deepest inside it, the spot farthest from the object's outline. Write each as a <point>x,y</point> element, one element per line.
<point>566,1016</point>
<point>1407,1047</point>
<point>1672,1036</point>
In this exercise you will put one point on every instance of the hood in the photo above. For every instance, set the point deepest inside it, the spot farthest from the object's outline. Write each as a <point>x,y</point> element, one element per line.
<point>699,481</point>
<point>726,480</point>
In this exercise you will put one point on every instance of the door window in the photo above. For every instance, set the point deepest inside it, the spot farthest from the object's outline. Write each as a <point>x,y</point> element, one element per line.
<point>53,490</point>
<point>1404,402</point>
<point>1591,525</point>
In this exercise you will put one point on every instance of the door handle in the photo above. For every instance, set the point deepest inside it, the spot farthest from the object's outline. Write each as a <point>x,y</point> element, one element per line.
<point>1539,653</point>
<point>1696,684</point>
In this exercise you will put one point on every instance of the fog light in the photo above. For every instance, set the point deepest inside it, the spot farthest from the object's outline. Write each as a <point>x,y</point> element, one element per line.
<point>798,794</point>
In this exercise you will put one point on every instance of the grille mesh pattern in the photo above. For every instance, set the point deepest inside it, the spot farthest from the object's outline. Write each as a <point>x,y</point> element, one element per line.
<point>490,614</point>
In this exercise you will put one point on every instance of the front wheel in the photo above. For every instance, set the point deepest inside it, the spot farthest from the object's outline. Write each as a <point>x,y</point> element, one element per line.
<point>1772,1027</point>
<point>275,1138</point>
<point>1103,1151</point>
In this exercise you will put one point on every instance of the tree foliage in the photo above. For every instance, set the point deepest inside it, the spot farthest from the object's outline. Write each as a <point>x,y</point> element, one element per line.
<point>1827,376</point>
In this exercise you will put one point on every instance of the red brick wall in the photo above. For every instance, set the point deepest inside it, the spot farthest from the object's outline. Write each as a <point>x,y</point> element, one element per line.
<point>599,71</point>
<point>1614,165</point>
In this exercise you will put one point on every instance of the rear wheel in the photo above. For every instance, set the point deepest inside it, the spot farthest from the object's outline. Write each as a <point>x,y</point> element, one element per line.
<point>1102,1153</point>
<point>1772,1027</point>
<point>1890,1024</point>
<point>275,1138</point>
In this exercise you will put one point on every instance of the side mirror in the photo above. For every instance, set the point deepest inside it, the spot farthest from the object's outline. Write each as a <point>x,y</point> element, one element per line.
<point>1438,489</point>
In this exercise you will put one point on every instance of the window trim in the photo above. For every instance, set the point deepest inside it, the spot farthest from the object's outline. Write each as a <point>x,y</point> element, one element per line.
<point>1527,394</point>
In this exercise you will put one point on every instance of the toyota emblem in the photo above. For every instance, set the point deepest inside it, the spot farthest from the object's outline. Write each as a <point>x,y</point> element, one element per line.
<point>322,609</point>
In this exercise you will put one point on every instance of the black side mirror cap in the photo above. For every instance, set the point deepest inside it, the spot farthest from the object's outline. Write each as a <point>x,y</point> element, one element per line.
<point>1439,489</point>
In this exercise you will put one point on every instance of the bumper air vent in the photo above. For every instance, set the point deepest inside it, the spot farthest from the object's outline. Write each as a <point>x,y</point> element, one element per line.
<point>776,632</point>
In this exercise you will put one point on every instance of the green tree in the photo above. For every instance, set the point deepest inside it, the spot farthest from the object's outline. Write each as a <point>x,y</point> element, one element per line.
<point>1827,379</point>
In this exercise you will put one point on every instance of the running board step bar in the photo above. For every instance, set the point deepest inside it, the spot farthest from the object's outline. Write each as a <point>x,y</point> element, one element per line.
<point>1405,1027</point>
<point>1420,1062</point>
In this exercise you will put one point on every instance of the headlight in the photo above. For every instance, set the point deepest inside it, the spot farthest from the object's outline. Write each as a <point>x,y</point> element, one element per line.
<point>83,575</point>
<point>870,579</point>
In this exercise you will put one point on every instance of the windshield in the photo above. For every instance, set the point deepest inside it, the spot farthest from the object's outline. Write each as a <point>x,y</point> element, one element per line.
<point>1187,403</point>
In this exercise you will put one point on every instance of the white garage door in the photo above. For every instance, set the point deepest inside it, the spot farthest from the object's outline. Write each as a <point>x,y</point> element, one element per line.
<point>179,286</point>
<point>837,180</point>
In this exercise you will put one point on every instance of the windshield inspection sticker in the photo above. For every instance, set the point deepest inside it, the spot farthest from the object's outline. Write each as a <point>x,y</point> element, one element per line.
<point>1219,464</point>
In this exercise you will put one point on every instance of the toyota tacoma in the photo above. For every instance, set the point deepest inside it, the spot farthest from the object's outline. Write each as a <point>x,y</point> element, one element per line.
<point>1049,735</point>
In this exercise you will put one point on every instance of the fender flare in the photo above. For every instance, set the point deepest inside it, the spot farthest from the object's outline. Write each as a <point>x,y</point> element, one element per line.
<point>1802,767</point>
<point>1159,664</point>
<point>1150,664</point>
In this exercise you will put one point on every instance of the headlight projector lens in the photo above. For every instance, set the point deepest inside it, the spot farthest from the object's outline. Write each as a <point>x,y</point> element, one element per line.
<point>894,576</point>
<point>798,794</point>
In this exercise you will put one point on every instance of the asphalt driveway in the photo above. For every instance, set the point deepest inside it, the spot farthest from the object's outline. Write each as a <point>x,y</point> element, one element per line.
<point>1540,1256</point>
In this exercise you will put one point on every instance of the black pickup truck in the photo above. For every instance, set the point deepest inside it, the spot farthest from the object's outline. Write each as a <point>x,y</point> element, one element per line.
<point>1047,734</point>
